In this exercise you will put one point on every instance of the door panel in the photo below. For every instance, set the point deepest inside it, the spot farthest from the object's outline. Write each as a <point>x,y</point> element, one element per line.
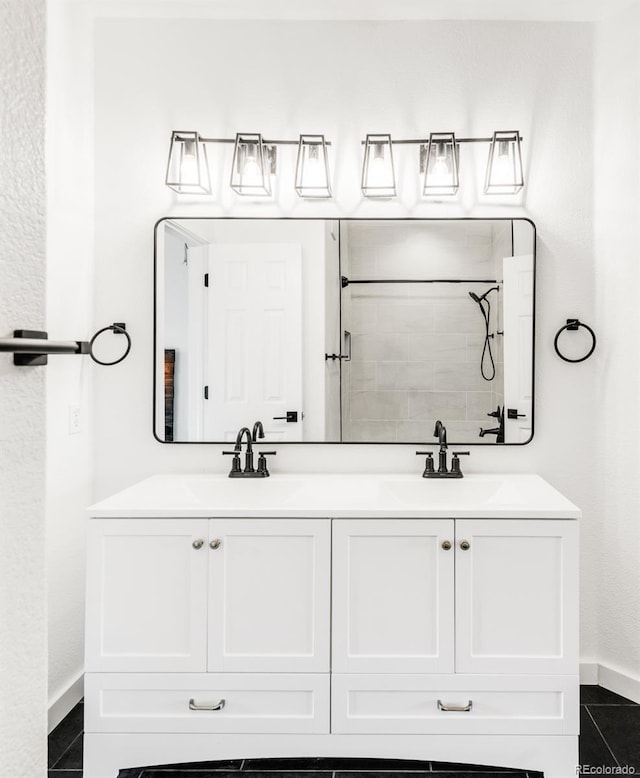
<point>518,338</point>
<point>269,595</point>
<point>254,346</point>
<point>147,589</point>
<point>517,597</point>
<point>392,596</point>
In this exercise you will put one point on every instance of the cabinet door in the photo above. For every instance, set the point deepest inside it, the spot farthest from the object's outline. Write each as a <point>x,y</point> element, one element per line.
<point>517,596</point>
<point>393,596</point>
<point>269,595</point>
<point>146,595</point>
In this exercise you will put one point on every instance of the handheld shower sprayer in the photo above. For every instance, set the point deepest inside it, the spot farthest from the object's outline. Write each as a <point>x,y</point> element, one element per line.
<point>489,375</point>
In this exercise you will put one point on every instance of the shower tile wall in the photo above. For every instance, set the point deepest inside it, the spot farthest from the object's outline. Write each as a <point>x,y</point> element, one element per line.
<point>416,347</point>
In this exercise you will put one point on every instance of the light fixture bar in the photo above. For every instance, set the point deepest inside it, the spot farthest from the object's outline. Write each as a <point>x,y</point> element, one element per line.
<point>264,140</point>
<point>423,141</point>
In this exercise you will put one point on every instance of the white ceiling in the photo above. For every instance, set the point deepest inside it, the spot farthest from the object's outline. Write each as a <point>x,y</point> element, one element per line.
<point>520,10</point>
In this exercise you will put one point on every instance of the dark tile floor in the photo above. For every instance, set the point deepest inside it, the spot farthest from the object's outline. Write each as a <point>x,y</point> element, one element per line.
<point>609,738</point>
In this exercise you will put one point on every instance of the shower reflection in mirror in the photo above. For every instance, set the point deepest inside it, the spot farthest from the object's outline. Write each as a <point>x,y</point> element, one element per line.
<point>439,315</point>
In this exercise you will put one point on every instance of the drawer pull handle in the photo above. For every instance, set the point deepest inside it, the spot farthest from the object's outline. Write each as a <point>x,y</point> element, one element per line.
<point>215,706</point>
<point>455,708</point>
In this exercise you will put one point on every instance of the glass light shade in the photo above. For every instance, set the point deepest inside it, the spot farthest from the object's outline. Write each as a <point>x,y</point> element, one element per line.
<point>312,168</point>
<point>378,172</point>
<point>441,166</point>
<point>504,168</point>
<point>187,168</point>
<point>252,166</point>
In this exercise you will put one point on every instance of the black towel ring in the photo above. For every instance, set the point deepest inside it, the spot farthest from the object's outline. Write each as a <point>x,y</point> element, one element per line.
<point>116,328</point>
<point>574,324</point>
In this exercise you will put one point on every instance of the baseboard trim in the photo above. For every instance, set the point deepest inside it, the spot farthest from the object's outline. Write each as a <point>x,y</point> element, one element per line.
<point>589,673</point>
<point>618,682</point>
<point>65,702</point>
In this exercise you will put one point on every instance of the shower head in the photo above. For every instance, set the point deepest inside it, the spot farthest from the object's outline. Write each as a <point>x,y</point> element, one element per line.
<point>482,297</point>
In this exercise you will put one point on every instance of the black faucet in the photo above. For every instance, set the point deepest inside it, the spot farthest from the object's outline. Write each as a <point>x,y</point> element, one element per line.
<point>258,431</point>
<point>440,432</point>
<point>248,457</point>
<point>249,470</point>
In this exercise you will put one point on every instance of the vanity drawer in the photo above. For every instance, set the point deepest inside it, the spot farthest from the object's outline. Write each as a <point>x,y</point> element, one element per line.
<point>395,704</point>
<point>154,702</point>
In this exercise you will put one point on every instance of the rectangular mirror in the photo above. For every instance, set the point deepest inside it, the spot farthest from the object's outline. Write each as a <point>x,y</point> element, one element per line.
<point>350,330</point>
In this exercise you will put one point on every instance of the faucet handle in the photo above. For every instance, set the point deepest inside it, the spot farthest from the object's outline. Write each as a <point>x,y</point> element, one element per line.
<point>235,465</point>
<point>428,465</point>
<point>455,461</point>
<point>262,462</point>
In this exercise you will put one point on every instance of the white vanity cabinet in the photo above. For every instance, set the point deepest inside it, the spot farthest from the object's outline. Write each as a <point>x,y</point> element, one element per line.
<point>207,625</point>
<point>454,626</point>
<point>335,626</point>
<point>198,595</point>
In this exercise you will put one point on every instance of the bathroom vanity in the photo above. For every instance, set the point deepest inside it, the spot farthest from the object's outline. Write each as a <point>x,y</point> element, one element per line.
<point>333,615</point>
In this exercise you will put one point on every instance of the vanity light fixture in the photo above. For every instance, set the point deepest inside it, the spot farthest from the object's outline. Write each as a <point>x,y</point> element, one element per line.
<point>378,171</point>
<point>187,168</point>
<point>439,164</point>
<point>504,167</point>
<point>254,162</point>
<point>312,168</point>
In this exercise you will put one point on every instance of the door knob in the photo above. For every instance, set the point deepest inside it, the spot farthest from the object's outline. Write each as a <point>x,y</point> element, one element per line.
<point>215,543</point>
<point>198,543</point>
<point>465,545</point>
<point>446,545</point>
<point>292,416</point>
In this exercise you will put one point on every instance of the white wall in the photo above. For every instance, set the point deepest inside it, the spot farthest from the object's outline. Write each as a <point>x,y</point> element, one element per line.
<point>69,162</point>
<point>346,79</point>
<point>617,359</point>
<point>22,401</point>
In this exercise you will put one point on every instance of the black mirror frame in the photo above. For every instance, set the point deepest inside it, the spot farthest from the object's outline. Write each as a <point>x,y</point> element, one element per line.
<point>160,221</point>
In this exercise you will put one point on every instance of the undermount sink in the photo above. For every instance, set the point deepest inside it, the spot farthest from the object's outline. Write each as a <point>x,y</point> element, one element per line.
<point>246,491</point>
<point>465,492</point>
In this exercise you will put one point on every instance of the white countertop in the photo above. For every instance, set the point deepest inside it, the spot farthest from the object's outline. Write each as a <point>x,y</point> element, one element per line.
<point>331,495</point>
